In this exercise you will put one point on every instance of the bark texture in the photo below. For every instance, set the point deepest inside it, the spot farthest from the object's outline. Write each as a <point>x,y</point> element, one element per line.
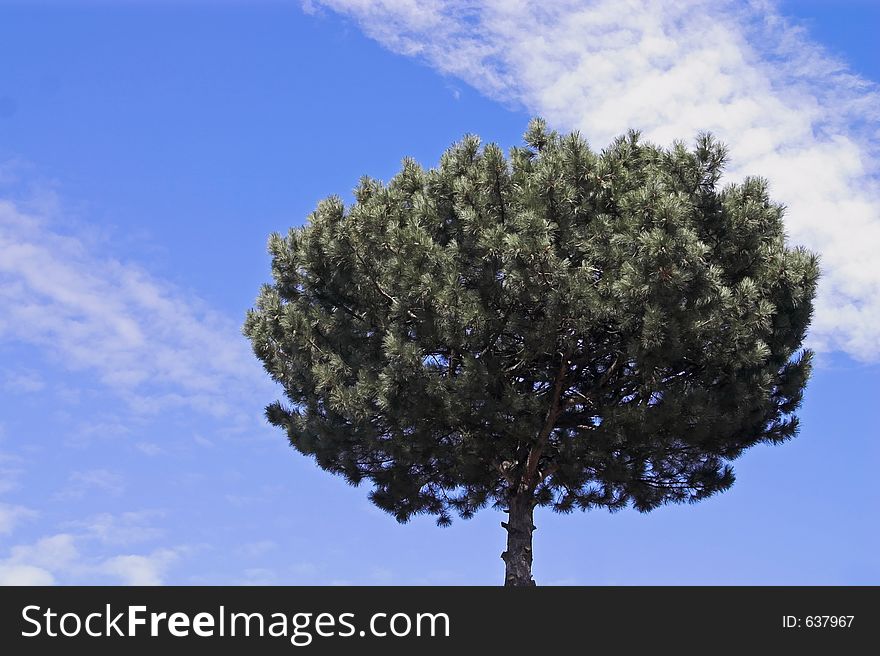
<point>518,557</point>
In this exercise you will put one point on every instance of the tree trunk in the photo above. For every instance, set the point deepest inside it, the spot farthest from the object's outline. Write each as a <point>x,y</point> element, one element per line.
<point>519,525</point>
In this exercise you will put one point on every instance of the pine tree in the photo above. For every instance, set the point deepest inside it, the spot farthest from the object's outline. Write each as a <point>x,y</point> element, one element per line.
<point>560,328</point>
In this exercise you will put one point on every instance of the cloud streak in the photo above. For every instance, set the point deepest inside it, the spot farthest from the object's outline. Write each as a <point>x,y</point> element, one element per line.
<point>789,111</point>
<point>81,556</point>
<point>11,515</point>
<point>141,336</point>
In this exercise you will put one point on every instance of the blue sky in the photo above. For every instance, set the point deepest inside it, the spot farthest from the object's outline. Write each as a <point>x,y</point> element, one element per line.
<point>146,152</point>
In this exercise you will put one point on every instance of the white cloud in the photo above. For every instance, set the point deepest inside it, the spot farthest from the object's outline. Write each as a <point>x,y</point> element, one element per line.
<point>258,576</point>
<point>257,549</point>
<point>101,481</point>
<point>123,529</point>
<point>789,111</point>
<point>381,576</point>
<point>9,476</point>
<point>97,428</point>
<point>56,552</point>
<point>11,515</point>
<point>66,558</point>
<point>149,448</point>
<point>23,381</point>
<point>8,481</point>
<point>140,570</point>
<point>24,575</point>
<point>202,441</point>
<point>143,338</point>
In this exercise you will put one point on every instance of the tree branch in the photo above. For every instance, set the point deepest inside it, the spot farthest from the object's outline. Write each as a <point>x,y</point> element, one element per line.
<point>388,297</point>
<point>529,478</point>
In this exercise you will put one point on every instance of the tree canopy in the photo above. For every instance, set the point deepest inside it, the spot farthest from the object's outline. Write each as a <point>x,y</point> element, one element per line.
<point>559,328</point>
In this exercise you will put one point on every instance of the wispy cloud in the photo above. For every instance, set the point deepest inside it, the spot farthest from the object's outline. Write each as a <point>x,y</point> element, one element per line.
<point>10,472</point>
<point>258,576</point>
<point>8,480</point>
<point>149,448</point>
<point>141,570</point>
<point>789,110</point>
<point>33,564</point>
<point>11,515</point>
<point>19,574</point>
<point>87,553</point>
<point>256,549</point>
<point>143,338</point>
<point>120,530</point>
<point>101,481</point>
<point>22,381</point>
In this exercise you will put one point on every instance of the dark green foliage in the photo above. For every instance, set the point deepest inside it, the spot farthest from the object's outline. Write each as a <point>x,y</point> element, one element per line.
<point>589,329</point>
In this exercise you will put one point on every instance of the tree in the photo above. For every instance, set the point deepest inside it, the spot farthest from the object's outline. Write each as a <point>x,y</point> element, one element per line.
<point>561,328</point>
